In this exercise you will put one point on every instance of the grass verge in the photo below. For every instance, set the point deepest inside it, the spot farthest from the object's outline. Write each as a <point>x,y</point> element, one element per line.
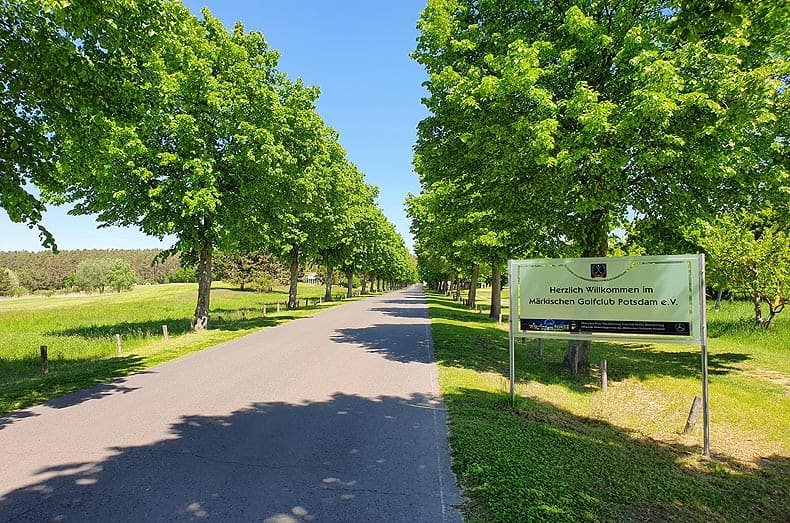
<point>568,452</point>
<point>80,334</point>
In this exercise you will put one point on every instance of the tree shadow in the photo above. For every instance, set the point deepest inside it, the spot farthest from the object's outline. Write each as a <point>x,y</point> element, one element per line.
<point>29,386</point>
<point>273,462</point>
<point>137,329</point>
<point>401,342</point>
<point>538,462</point>
<point>403,312</point>
<point>465,343</point>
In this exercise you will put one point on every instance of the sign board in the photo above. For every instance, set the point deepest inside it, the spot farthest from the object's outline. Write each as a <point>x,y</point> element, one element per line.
<point>654,298</point>
<point>646,298</point>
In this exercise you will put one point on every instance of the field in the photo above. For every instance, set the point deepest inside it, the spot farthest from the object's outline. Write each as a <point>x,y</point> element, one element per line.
<point>80,333</point>
<point>569,452</point>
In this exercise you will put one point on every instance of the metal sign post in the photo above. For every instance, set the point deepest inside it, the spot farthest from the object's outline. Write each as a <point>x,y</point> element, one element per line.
<point>704,351</point>
<point>512,318</point>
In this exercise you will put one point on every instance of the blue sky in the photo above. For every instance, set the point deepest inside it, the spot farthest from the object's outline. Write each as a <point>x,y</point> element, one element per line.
<point>357,52</point>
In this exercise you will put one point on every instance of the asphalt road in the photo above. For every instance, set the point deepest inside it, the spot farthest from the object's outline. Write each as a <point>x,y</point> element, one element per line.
<point>335,417</point>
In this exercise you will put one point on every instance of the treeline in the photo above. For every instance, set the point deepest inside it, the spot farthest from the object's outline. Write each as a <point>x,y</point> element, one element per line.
<point>567,129</point>
<point>44,270</point>
<point>146,116</point>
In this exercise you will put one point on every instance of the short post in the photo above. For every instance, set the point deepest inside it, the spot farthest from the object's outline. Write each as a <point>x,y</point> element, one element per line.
<point>540,347</point>
<point>264,310</point>
<point>118,343</point>
<point>44,360</point>
<point>499,320</point>
<point>479,309</point>
<point>696,405</point>
<point>604,376</point>
<point>278,307</point>
<point>164,332</point>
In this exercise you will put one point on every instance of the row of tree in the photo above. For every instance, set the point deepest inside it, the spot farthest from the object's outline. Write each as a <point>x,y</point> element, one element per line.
<point>146,116</point>
<point>591,128</point>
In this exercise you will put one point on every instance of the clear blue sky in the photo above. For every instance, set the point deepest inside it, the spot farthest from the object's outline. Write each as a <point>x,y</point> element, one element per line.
<point>357,52</point>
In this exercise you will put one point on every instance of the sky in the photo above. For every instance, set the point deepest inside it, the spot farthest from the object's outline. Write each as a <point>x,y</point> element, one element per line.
<point>357,53</point>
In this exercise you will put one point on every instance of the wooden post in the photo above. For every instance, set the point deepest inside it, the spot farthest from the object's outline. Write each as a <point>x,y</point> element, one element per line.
<point>540,347</point>
<point>44,360</point>
<point>479,309</point>
<point>118,343</point>
<point>164,332</point>
<point>278,307</point>
<point>499,320</point>
<point>264,310</point>
<point>696,405</point>
<point>604,376</point>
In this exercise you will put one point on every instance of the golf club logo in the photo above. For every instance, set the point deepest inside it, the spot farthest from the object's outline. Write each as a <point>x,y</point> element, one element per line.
<point>598,270</point>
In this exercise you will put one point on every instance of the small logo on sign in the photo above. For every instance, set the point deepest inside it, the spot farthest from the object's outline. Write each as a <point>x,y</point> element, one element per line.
<point>598,270</point>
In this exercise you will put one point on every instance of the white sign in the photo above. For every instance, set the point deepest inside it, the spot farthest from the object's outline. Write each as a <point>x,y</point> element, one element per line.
<point>642,298</point>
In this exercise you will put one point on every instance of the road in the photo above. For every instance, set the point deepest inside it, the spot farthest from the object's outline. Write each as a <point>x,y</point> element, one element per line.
<point>335,417</point>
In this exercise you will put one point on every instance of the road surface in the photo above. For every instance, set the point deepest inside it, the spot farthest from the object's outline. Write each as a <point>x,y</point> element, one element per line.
<point>335,417</point>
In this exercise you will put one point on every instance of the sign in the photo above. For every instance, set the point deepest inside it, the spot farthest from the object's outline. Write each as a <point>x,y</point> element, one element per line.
<point>640,298</point>
<point>647,298</point>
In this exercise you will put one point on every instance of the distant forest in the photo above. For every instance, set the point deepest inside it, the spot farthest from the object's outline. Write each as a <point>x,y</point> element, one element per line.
<point>36,271</point>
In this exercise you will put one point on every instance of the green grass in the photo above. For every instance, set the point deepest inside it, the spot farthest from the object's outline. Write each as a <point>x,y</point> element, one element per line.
<point>80,334</point>
<point>568,452</point>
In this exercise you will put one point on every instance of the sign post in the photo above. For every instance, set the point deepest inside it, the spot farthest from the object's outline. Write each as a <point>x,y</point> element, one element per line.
<point>646,298</point>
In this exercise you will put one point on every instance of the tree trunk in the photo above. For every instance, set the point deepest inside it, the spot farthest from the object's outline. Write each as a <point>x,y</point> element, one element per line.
<point>378,284</point>
<point>292,304</point>
<point>364,289</point>
<point>577,355</point>
<point>330,280</point>
<point>597,245</point>
<point>349,283</point>
<point>758,308</point>
<point>496,291</point>
<point>200,320</point>
<point>473,286</point>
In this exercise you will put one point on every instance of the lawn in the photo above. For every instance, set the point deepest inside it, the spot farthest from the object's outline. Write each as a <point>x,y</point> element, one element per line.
<point>569,452</point>
<point>79,332</point>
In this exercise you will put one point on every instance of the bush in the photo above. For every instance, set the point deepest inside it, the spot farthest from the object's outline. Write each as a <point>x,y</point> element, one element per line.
<point>183,275</point>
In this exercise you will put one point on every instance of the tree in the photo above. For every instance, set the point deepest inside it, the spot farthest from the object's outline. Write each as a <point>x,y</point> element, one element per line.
<point>752,255</point>
<point>6,287</point>
<point>119,275</point>
<point>60,62</point>
<point>191,149</point>
<point>91,275</point>
<point>596,112</point>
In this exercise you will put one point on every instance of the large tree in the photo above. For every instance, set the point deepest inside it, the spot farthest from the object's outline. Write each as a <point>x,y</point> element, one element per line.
<point>191,148</point>
<point>601,111</point>
<point>59,63</point>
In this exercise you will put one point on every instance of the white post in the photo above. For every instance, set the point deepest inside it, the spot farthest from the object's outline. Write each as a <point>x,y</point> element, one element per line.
<point>118,343</point>
<point>511,345</point>
<point>704,343</point>
<point>164,332</point>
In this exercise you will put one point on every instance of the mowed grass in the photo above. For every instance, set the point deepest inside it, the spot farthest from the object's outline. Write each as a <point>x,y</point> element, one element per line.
<point>79,332</point>
<point>569,452</point>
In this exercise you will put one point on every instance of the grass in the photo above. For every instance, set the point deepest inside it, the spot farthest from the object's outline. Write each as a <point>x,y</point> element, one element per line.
<point>568,452</point>
<point>80,334</point>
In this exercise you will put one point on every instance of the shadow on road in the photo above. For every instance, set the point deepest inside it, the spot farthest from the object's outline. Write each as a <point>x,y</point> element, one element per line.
<point>401,342</point>
<point>272,462</point>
